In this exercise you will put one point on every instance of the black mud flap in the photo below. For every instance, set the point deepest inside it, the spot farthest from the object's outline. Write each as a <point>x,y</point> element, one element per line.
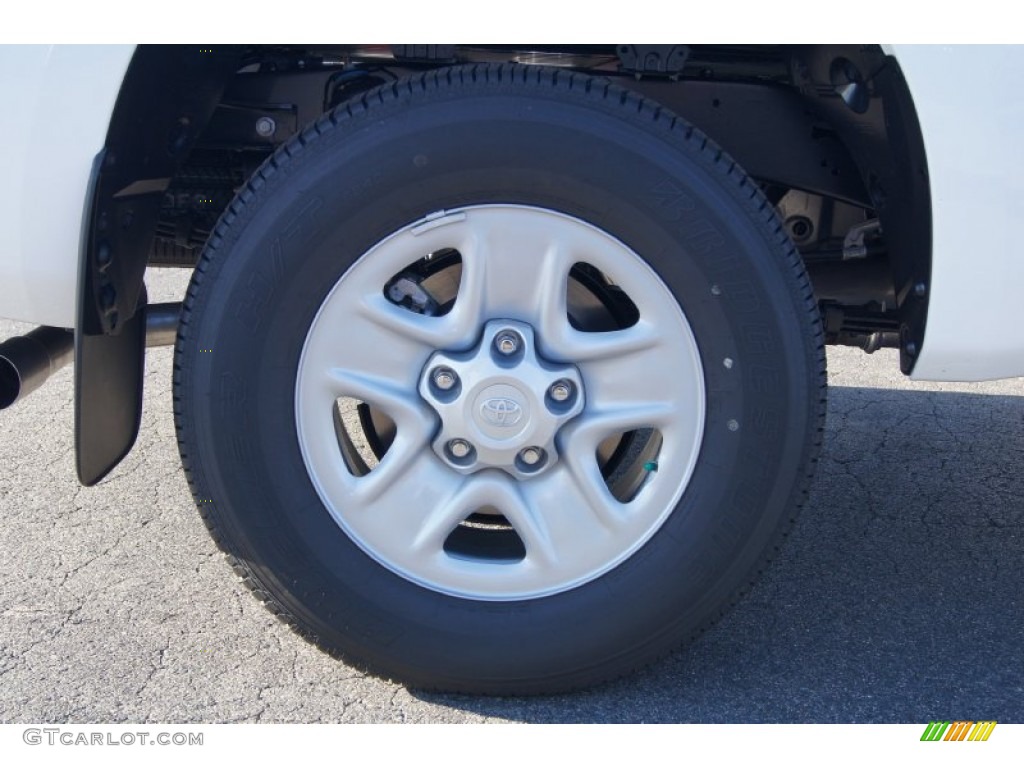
<point>108,395</point>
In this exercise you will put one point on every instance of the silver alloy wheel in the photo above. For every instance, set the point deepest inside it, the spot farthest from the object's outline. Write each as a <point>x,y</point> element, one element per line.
<point>515,265</point>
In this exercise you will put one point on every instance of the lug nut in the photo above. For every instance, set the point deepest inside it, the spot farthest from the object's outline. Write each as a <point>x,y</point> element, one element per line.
<point>507,342</point>
<point>531,456</point>
<point>560,391</point>
<point>444,378</point>
<point>459,448</point>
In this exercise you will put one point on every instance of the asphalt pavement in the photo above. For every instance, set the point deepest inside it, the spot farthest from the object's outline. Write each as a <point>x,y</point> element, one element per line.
<point>897,597</point>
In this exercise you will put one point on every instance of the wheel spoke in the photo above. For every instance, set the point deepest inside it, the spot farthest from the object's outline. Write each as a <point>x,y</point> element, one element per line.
<point>398,400</point>
<point>618,347</point>
<point>528,520</point>
<point>400,332</point>
<point>638,366</point>
<point>571,510</point>
<point>551,313</point>
<point>374,355</point>
<point>581,437</point>
<point>409,503</point>
<point>514,272</point>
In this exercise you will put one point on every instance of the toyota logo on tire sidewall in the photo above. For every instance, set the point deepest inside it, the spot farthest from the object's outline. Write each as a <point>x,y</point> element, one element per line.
<point>501,411</point>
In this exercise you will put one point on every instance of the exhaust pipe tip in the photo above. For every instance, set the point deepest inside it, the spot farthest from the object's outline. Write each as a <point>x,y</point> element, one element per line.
<point>10,384</point>
<point>26,362</point>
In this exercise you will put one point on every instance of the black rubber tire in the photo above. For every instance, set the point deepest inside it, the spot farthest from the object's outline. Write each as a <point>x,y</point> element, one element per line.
<point>485,134</point>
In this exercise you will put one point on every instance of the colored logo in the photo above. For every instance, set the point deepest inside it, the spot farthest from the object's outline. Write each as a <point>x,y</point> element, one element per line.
<point>501,412</point>
<point>961,730</point>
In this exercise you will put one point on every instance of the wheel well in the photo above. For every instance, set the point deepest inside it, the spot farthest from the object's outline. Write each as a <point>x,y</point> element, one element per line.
<point>830,133</point>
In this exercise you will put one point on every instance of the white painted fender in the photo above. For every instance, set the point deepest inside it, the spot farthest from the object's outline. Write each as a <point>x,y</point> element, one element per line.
<point>971,111</point>
<point>59,101</point>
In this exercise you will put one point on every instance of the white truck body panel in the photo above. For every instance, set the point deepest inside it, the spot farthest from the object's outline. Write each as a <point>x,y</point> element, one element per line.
<point>64,97</point>
<point>971,112</point>
<point>966,99</point>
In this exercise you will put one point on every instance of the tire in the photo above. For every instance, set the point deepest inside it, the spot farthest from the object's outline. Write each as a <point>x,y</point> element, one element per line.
<point>561,274</point>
